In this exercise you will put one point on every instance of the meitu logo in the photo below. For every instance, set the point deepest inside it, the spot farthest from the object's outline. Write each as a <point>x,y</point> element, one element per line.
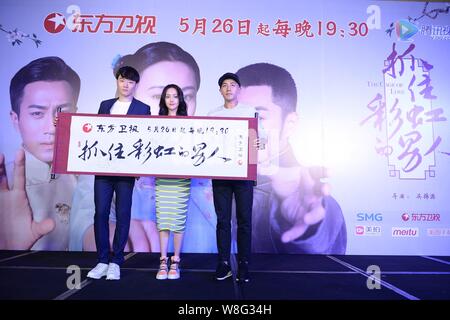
<point>405,232</point>
<point>405,30</point>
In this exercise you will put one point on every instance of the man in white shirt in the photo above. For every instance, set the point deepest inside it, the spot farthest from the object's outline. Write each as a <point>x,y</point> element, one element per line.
<point>223,190</point>
<point>105,186</point>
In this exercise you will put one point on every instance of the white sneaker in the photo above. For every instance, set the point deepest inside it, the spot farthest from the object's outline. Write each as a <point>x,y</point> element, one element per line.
<point>99,271</point>
<point>113,272</point>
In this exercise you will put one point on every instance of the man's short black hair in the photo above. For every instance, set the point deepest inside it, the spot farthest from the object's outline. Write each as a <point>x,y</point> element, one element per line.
<point>231,76</point>
<point>284,90</point>
<point>156,52</point>
<point>129,73</point>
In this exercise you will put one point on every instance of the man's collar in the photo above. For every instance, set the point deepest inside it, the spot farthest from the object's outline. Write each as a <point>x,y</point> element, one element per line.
<point>36,171</point>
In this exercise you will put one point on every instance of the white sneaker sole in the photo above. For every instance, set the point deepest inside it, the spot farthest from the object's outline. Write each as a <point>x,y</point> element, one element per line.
<point>95,276</point>
<point>229,274</point>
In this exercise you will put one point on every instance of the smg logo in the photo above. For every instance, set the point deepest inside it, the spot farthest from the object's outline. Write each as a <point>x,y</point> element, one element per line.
<point>369,216</point>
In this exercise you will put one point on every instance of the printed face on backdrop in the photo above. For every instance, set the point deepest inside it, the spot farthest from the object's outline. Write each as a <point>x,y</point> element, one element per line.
<point>38,107</point>
<point>157,76</point>
<point>260,97</point>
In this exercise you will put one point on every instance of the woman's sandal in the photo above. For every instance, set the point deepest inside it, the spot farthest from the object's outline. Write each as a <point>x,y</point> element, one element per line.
<point>163,269</point>
<point>174,272</point>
